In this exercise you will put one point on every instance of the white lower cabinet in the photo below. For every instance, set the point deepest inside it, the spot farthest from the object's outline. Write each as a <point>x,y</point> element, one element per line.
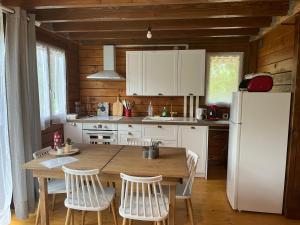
<point>166,134</point>
<point>74,131</point>
<point>128,131</point>
<point>123,135</point>
<point>195,138</point>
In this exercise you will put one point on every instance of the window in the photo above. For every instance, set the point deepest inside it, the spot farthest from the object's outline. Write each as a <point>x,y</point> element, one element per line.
<point>223,74</point>
<point>51,65</point>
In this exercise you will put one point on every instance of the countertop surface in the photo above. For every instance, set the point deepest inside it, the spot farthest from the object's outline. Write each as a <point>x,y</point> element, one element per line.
<point>139,120</point>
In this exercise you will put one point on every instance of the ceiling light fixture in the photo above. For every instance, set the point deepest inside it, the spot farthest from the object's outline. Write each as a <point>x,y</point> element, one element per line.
<point>149,33</point>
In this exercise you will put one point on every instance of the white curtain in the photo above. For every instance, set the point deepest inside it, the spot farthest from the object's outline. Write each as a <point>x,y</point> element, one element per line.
<point>23,107</point>
<point>58,85</point>
<point>5,165</point>
<point>44,84</point>
<point>52,84</point>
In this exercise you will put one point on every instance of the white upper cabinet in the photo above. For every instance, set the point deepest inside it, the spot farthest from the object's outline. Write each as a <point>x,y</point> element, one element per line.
<point>134,73</point>
<point>165,73</point>
<point>191,72</point>
<point>160,73</point>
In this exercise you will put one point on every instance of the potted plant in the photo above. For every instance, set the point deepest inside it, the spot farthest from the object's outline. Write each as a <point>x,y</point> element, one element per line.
<point>68,145</point>
<point>154,150</point>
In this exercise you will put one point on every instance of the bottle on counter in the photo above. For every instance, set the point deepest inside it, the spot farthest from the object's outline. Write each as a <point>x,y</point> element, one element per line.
<point>150,109</point>
<point>164,112</point>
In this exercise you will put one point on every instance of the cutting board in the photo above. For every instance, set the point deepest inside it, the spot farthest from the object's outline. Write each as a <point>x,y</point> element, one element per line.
<point>117,108</point>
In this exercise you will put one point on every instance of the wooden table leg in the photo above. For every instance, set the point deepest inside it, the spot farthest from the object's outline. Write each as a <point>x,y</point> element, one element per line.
<point>172,199</point>
<point>44,201</point>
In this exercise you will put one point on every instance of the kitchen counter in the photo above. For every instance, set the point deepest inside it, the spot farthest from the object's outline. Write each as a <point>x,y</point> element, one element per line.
<point>139,120</point>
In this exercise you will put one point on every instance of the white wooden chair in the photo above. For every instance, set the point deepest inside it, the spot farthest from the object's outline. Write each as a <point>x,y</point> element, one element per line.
<point>86,193</point>
<point>184,190</point>
<point>55,186</point>
<point>142,199</point>
<point>139,141</point>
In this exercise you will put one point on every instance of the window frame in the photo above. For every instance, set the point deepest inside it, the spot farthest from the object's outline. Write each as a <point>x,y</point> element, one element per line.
<point>50,88</point>
<point>241,71</point>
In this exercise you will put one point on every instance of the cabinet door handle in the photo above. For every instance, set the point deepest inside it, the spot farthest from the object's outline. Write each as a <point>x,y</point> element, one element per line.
<point>193,128</point>
<point>159,126</point>
<point>129,125</point>
<point>160,94</point>
<point>73,124</point>
<point>191,94</point>
<point>129,133</point>
<point>134,94</point>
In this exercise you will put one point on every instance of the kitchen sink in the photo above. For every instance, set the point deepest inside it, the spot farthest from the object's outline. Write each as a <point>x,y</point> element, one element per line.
<point>169,119</point>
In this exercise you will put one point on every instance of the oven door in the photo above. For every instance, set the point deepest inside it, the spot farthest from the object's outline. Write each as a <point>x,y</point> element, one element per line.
<point>100,137</point>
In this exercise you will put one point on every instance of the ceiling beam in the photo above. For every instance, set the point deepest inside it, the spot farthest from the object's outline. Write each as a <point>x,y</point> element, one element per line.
<point>164,34</point>
<point>51,4</point>
<point>190,24</point>
<point>202,40</point>
<point>165,12</point>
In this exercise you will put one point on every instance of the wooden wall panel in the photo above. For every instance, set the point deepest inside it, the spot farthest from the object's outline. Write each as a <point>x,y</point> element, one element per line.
<point>292,188</point>
<point>93,92</point>
<point>47,135</point>
<point>276,56</point>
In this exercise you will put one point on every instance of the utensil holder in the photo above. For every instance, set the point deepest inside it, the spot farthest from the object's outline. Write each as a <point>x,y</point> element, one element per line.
<point>128,112</point>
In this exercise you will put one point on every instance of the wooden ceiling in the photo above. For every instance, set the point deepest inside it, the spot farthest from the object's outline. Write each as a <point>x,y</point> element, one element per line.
<point>172,21</point>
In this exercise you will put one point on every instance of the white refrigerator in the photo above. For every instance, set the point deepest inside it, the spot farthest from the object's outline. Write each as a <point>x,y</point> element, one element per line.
<point>257,151</point>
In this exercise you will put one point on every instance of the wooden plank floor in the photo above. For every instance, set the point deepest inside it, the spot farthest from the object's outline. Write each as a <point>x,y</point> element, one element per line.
<point>210,208</point>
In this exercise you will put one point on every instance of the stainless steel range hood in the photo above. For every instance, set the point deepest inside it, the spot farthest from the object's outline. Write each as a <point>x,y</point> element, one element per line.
<point>109,66</point>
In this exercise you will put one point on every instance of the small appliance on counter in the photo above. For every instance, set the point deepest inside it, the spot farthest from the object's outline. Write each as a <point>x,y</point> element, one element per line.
<point>103,109</point>
<point>257,82</point>
<point>72,116</point>
<point>212,112</point>
<point>200,113</point>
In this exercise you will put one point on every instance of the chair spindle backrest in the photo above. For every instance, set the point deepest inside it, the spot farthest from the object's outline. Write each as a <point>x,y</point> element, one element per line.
<point>143,194</point>
<point>139,141</point>
<point>41,153</point>
<point>192,160</point>
<point>84,188</point>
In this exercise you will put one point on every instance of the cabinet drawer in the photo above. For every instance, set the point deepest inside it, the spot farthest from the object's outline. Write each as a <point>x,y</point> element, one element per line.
<point>123,135</point>
<point>106,126</point>
<point>130,127</point>
<point>167,143</point>
<point>163,132</point>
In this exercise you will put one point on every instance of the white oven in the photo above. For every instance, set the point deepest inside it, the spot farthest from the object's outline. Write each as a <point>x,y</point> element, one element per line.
<point>100,133</point>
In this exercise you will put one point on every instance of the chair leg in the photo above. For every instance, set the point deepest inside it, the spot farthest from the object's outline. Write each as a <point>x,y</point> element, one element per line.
<point>158,222</point>
<point>72,213</point>
<point>124,221</point>
<point>99,218</point>
<point>83,217</point>
<point>113,209</point>
<point>187,206</point>
<point>164,222</point>
<point>38,214</point>
<point>130,222</point>
<point>68,217</point>
<point>190,208</point>
<point>53,201</point>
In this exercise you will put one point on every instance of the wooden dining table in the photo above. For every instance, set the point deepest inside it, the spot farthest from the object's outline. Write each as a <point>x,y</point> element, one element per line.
<point>111,160</point>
